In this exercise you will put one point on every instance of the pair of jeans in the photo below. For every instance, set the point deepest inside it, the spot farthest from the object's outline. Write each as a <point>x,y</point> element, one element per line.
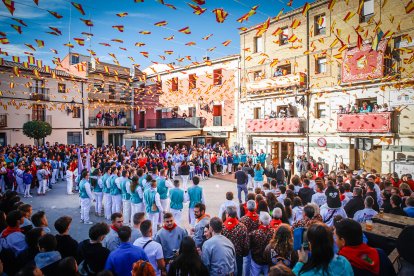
<point>240,188</point>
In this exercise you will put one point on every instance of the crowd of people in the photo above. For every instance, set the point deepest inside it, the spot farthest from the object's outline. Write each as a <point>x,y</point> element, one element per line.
<point>111,118</point>
<point>308,223</point>
<point>364,108</point>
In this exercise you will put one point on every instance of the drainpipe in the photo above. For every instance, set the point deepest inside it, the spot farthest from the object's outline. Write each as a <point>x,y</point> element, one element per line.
<point>238,100</point>
<point>307,86</point>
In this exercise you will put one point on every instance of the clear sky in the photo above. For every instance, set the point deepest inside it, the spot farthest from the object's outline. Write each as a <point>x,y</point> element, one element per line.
<point>141,17</point>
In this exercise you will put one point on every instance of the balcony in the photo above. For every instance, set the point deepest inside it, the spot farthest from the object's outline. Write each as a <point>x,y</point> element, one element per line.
<point>3,120</point>
<point>39,94</point>
<point>296,79</point>
<point>217,121</point>
<point>189,122</point>
<point>365,123</point>
<point>117,96</point>
<point>278,125</point>
<point>124,123</point>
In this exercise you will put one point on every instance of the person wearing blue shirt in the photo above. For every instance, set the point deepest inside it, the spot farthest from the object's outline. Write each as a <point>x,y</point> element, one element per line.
<point>258,176</point>
<point>121,260</point>
<point>243,157</point>
<point>27,181</point>
<point>262,158</point>
<point>236,161</point>
<point>409,210</point>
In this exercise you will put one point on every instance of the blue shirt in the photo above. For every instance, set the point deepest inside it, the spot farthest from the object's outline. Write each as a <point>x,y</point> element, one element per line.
<point>409,211</point>
<point>338,266</point>
<point>258,174</point>
<point>121,260</point>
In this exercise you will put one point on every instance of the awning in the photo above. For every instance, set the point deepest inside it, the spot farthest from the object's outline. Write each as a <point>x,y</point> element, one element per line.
<point>170,135</point>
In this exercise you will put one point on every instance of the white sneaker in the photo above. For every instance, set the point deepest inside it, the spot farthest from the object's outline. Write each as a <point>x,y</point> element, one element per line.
<point>29,196</point>
<point>88,222</point>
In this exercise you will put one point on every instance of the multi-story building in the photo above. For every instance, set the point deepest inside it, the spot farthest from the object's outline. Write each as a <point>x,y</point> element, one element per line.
<point>109,111</point>
<point>191,104</point>
<point>39,93</point>
<point>315,60</point>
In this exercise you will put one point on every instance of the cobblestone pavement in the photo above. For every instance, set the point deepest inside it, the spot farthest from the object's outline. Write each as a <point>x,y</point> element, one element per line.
<point>56,203</point>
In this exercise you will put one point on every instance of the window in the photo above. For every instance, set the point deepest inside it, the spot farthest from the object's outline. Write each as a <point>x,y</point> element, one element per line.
<point>217,76</point>
<point>75,59</point>
<point>320,65</point>
<point>76,112</point>
<point>284,35</point>
<point>257,75</point>
<point>192,112</point>
<point>367,10</point>
<point>283,70</point>
<point>61,88</point>
<point>320,110</point>
<point>258,44</point>
<point>74,138</point>
<point>174,84</point>
<point>38,112</point>
<point>98,87</point>
<point>111,88</point>
<point>320,24</point>
<point>192,81</point>
<point>257,113</point>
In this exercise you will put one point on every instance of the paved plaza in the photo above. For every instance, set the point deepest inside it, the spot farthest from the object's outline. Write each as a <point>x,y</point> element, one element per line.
<point>56,203</point>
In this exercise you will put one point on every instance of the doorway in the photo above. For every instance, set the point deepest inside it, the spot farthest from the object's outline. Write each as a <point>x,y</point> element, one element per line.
<point>3,139</point>
<point>99,139</point>
<point>280,150</point>
<point>142,119</point>
<point>369,160</point>
<point>115,139</point>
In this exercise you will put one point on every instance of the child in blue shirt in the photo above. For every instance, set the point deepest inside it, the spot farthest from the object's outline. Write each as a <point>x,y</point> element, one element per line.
<point>27,182</point>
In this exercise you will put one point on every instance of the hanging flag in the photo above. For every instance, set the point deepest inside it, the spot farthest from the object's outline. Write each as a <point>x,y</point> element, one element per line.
<point>247,15</point>
<point>277,32</point>
<point>199,2</point>
<point>31,60</point>
<point>378,36</point>
<point>80,41</point>
<point>55,14</point>
<point>274,62</point>
<point>119,28</point>
<point>360,7</point>
<point>56,30</point>
<point>87,22</point>
<point>145,54</point>
<point>169,52</point>
<point>47,69</point>
<point>16,71</point>
<point>17,28</point>
<point>305,9</point>
<point>169,38</point>
<point>296,23</point>
<point>161,23</point>
<point>331,4</point>
<point>261,29</point>
<point>54,51</point>
<point>36,2</point>
<point>207,37</point>
<point>140,1</point>
<point>16,59</point>
<point>78,7</point>
<point>191,43</point>
<point>117,40</point>
<point>36,73</point>
<point>410,7</point>
<point>105,44</point>
<point>87,34</point>
<point>277,17</point>
<point>145,32</point>
<point>185,30</point>
<point>40,43</point>
<point>197,9</point>
<point>80,163</point>
<point>170,6</point>
<point>9,5</point>
<point>20,21</point>
<point>1,63</point>
<point>292,38</point>
<point>30,46</point>
<point>359,41</point>
<point>106,69</point>
<point>70,45</point>
<point>39,63</point>
<point>139,44</point>
<point>348,16</point>
<point>4,40</point>
<point>227,42</point>
<point>221,15</point>
<point>122,14</point>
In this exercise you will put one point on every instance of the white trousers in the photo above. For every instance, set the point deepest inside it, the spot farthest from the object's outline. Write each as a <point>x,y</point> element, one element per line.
<point>27,190</point>
<point>98,203</point>
<point>258,184</point>
<point>54,176</point>
<point>107,205</point>
<point>165,203</point>
<point>116,204</point>
<point>154,218</point>
<point>229,167</point>
<point>69,186</point>
<point>20,185</point>
<point>177,216</point>
<point>42,186</point>
<point>136,208</point>
<point>85,207</point>
<point>191,216</point>
<point>249,181</point>
<point>185,181</point>
<point>126,211</point>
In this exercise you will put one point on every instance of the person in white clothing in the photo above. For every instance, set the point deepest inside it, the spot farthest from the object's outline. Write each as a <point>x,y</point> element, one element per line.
<point>97,185</point>
<point>125,185</point>
<point>69,180</point>
<point>152,248</point>
<point>116,191</point>
<point>333,206</point>
<point>86,196</point>
<point>163,184</point>
<point>229,202</point>
<point>107,199</point>
<point>319,197</point>
<point>366,214</point>
<point>153,206</point>
<point>177,199</point>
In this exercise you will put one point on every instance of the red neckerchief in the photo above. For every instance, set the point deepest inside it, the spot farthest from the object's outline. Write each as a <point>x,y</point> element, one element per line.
<point>114,228</point>
<point>244,205</point>
<point>363,257</point>
<point>264,227</point>
<point>203,216</point>
<point>252,215</point>
<point>230,223</point>
<point>10,230</point>
<point>170,229</point>
<point>274,223</point>
<point>342,197</point>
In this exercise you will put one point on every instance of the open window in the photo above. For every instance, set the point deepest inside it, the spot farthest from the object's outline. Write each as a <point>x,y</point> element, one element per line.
<point>320,24</point>
<point>320,65</point>
<point>217,77</point>
<point>192,81</point>
<point>284,36</point>
<point>367,10</point>
<point>258,44</point>
<point>174,84</point>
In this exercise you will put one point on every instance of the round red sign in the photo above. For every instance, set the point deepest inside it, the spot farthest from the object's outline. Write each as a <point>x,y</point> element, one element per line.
<point>322,142</point>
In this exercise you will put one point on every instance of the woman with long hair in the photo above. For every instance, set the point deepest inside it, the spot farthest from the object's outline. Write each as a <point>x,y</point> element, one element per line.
<point>280,248</point>
<point>137,192</point>
<point>188,262</point>
<point>258,176</point>
<point>288,210</point>
<point>322,260</point>
<point>97,186</point>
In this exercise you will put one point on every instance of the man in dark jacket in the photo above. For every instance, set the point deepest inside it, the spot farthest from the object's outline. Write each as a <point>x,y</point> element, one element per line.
<point>396,206</point>
<point>66,245</point>
<point>48,258</point>
<point>355,204</point>
<point>365,260</point>
<point>306,193</point>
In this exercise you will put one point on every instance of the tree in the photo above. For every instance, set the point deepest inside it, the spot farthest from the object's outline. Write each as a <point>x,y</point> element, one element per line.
<point>37,130</point>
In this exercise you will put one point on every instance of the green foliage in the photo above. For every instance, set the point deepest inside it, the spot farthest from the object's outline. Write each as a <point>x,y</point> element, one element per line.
<point>37,129</point>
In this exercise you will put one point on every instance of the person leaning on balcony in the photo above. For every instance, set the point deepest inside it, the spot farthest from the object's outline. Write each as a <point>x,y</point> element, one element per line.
<point>365,108</point>
<point>355,108</point>
<point>278,73</point>
<point>289,111</point>
<point>376,108</point>
<point>385,108</point>
<point>341,110</point>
